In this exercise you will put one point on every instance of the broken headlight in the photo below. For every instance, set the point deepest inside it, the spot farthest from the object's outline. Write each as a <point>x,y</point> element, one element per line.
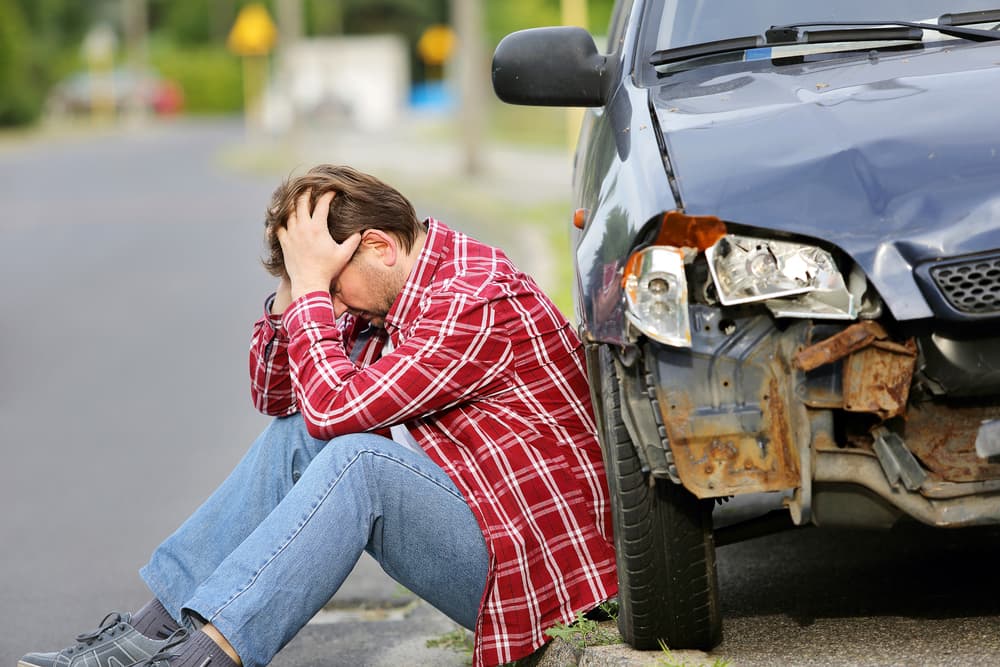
<point>656,299</point>
<point>792,279</point>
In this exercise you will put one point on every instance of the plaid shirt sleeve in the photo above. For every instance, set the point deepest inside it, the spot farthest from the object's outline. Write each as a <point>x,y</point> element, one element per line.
<point>270,384</point>
<point>451,353</point>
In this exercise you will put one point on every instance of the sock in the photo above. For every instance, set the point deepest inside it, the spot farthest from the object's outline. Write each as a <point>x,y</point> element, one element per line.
<point>154,621</point>
<point>200,651</point>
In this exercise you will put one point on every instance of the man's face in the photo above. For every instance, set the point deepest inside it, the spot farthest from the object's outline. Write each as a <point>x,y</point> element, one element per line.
<point>366,288</point>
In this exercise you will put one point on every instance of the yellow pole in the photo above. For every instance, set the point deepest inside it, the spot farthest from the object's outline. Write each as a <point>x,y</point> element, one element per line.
<point>574,12</point>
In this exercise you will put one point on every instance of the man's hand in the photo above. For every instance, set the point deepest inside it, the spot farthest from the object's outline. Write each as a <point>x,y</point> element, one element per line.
<point>313,260</point>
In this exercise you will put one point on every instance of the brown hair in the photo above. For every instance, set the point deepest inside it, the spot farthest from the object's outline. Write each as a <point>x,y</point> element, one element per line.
<point>362,202</point>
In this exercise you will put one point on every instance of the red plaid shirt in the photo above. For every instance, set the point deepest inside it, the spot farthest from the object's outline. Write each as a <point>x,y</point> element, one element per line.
<point>488,376</point>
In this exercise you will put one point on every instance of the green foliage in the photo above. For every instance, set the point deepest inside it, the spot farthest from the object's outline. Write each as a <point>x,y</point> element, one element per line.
<point>210,76</point>
<point>22,79</point>
<point>57,23</point>
<point>323,17</point>
<point>584,632</point>
<point>611,608</point>
<point>197,22</point>
<point>669,661</point>
<point>187,21</point>
<point>459,640</point>
<point>506,16</point>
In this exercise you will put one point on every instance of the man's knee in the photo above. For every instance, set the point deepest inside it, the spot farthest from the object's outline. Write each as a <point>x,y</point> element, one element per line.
<point>344,453</point>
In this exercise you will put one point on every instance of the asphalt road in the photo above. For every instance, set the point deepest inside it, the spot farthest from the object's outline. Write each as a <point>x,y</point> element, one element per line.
<point>130,275</point>
<point>129,266</point>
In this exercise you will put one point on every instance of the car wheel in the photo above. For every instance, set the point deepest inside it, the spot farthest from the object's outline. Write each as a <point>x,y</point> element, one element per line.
<point>668,588</point>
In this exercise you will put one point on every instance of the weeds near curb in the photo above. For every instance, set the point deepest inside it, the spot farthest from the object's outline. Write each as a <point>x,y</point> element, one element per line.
<point>458,640</point>
<point>584,632</point>
<point>668,660</point>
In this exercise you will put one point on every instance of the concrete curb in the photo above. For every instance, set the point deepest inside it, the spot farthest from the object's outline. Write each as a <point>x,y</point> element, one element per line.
<point>560,653</point>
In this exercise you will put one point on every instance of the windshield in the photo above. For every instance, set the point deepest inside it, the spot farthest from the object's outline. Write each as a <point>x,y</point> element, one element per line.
<point>684,22</point>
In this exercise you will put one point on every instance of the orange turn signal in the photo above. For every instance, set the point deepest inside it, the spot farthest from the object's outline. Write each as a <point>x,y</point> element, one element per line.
<point>690,231</point>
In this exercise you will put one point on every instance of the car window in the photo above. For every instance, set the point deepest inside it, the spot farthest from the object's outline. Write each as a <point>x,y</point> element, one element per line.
<point>674,23</point>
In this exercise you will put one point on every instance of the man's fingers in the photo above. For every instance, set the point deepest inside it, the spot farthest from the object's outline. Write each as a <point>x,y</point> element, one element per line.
<point>281,233</point>
<point>350,244</point>
<point>303,214</point>
<point>322,209</point>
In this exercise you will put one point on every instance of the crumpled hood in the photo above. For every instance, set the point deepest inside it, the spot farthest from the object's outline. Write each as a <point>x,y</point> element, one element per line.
<point>893,158</point>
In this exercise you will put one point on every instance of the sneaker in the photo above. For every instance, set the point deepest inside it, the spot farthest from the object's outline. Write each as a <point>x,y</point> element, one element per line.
<point>114,644</point>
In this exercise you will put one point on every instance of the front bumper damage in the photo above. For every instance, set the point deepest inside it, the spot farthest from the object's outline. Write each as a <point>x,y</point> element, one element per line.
<point>819,412</point>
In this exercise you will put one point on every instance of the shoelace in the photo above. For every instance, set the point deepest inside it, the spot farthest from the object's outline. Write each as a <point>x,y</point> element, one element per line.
<point>109,626</point>
<point>164,654</point>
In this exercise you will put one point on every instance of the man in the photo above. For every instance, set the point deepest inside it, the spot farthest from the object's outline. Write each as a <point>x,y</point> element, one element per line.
<point>432,409</point>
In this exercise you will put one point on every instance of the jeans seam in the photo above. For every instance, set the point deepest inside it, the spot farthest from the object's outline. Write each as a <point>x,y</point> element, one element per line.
<point>312,513</point>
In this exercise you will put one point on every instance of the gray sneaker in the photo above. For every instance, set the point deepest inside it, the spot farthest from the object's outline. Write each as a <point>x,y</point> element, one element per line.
<point>114,644</point>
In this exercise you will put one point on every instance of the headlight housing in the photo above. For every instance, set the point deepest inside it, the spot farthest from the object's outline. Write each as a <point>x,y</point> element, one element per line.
<point>792,279</point>
<point>656,295</point>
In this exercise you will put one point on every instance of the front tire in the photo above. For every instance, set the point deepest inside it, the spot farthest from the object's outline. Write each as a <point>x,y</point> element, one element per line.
<point>668,587</point>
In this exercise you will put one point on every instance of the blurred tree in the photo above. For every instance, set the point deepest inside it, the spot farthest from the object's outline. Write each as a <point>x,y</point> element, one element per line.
<point>187,22</point>
<point>324,17</point>
<point>59,23</point>
<point>197,22</point>
<point>21,77</point>
<point>506,16</point>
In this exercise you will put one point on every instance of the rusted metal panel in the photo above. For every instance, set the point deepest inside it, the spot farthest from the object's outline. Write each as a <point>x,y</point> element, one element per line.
<point>943,437</point>
<point>838,346</point>
<point>877,372</point>
<point>717,455</point>
<point>877,378</point>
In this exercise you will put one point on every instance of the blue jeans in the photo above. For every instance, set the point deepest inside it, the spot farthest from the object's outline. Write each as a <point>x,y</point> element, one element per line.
<point>276,540</point>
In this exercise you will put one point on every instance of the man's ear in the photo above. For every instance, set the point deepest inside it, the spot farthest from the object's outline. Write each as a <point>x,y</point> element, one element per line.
<point>385,246</point>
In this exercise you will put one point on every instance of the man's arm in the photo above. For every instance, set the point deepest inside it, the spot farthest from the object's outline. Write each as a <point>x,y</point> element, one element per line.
<point>312,260</point>
<point>270,384</point>
<point>453,355</point>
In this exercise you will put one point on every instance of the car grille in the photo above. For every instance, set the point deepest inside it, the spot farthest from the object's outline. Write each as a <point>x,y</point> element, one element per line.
<point>970,286</point>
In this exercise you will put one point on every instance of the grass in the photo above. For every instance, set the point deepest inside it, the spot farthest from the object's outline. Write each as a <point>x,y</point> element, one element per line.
<point>668,660</point>
<point>532,126</point>
<point>458,640</point>
<point>584,632</point>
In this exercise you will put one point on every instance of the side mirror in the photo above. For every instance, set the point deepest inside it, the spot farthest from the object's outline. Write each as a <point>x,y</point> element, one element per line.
<point>554,67</point>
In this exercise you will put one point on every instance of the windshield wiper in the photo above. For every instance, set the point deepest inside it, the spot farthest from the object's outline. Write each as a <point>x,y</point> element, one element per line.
<point>784,36</point>
<point>968,18</point>
<point>973,34</point>
<point>853,31</point>
<point>678,53</point>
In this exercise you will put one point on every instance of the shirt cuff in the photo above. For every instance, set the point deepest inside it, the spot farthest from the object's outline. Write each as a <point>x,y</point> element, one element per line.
<point>309,310</point>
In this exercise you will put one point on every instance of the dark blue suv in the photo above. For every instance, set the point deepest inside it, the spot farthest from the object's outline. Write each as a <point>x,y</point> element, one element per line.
<point>787,253</point>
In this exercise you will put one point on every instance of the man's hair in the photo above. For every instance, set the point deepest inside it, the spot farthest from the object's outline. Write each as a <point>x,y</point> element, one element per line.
<point>361,202</point>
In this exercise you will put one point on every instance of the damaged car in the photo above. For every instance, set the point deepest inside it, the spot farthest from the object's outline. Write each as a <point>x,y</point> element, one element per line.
<point>786,240</point>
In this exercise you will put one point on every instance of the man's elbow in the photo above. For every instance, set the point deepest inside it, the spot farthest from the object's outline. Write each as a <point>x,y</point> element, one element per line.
<point>273,406</point>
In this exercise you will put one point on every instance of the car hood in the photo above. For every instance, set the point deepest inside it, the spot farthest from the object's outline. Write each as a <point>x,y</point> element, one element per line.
<point>893,158</point>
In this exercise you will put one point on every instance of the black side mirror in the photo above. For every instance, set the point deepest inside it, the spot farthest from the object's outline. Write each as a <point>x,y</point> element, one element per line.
<point>554,67</point>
